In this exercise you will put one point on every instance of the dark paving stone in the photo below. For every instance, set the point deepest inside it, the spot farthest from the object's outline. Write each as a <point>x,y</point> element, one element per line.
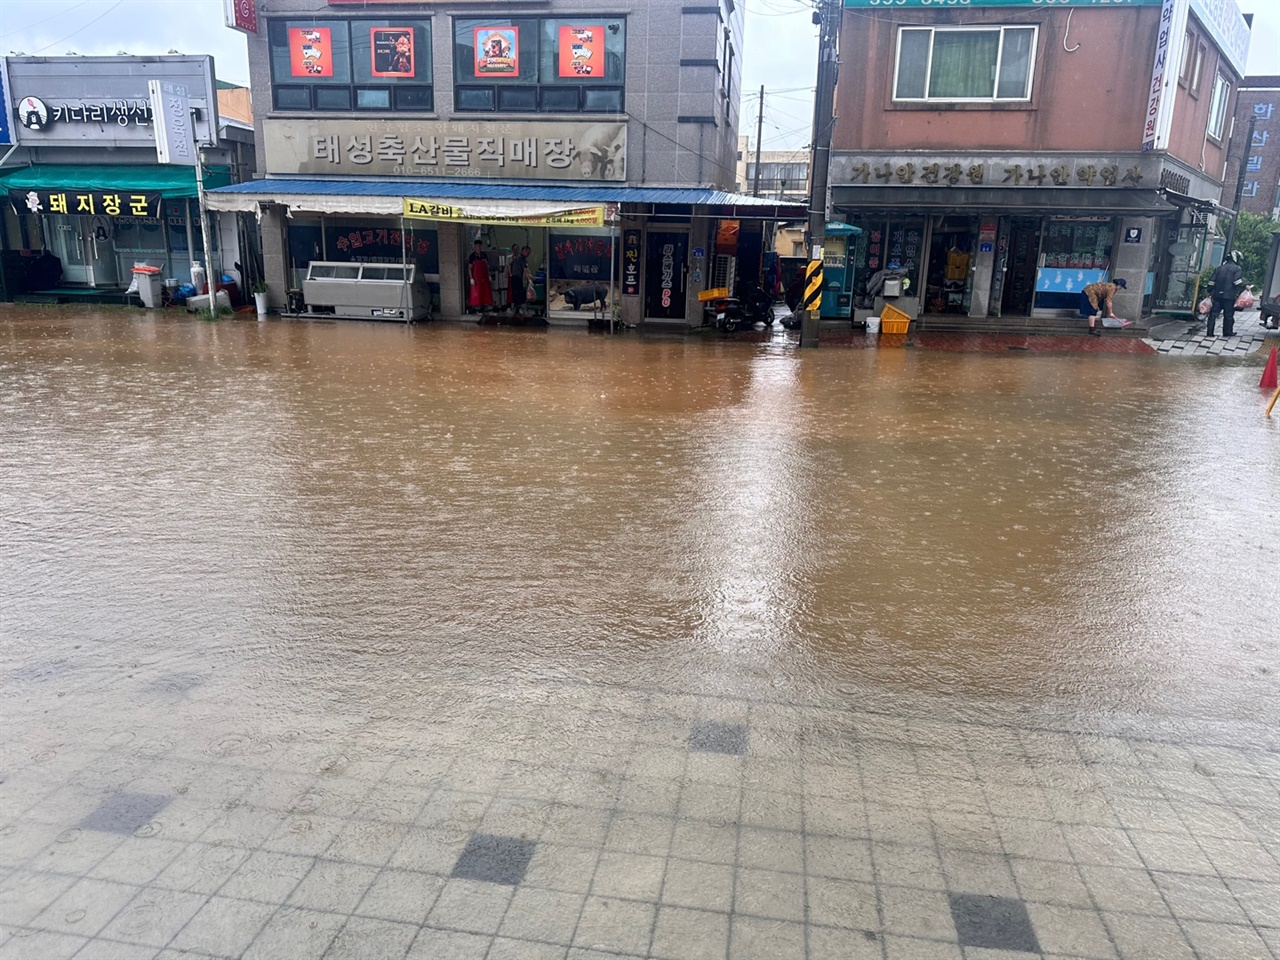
<point>495,859</point>
<point>711,737</point>
<point>125,812</point>
<point>996,923</point>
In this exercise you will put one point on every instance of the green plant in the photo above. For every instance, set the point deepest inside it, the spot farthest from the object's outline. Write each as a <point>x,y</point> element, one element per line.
<point>1253,240</point>
<point>259,286</point>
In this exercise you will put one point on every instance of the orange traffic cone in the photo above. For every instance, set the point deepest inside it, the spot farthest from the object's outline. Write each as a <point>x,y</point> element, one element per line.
<point>1269,372</point>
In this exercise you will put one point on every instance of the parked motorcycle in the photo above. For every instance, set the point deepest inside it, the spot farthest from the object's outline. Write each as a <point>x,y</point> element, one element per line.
<point>731,314</point>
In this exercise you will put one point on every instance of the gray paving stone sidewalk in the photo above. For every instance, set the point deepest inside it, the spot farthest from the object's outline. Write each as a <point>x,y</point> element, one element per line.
<point>588,822</point>
<point>1181,338</point>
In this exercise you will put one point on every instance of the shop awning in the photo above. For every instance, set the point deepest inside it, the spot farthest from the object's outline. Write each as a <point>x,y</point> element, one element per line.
<point>387,196</point>
<point>171,181</point>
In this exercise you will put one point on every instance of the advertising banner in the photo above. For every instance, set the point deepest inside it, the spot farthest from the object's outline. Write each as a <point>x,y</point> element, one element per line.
<point>577,257</point>
<point>6,122</point>
<point>497,51</point>
<point>510,149</point>
<point>310,52</point>
<point>446,210</point>
<point>392,51</point>
<point>86,203</point>
<point>581,52</point>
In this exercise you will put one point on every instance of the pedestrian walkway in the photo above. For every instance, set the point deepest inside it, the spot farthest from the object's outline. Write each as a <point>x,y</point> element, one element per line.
<point>598,822</point>
<point>1183,338</point>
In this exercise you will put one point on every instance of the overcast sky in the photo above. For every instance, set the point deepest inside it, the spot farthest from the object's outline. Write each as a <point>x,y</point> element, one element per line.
<point>780,48</point>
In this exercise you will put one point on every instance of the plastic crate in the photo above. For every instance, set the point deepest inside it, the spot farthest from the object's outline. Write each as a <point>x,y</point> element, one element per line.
<point>893,320</point>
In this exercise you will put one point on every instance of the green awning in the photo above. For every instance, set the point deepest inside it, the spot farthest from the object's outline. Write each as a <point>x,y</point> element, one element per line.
<point>171,181</point>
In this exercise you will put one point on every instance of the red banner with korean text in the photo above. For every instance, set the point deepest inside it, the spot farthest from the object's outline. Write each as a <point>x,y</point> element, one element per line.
<point>310,52</point>
<point>581,52</point>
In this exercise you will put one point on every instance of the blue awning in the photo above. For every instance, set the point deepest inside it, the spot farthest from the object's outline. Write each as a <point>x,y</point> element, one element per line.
<point>384,196</point>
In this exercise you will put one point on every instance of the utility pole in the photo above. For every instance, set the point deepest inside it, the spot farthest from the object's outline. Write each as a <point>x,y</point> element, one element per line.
<point>827,16</point>
<point>1244,167</point>
<point>755,190</point>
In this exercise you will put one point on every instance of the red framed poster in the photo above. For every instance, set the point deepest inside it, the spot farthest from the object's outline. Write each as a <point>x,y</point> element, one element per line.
<point>392,51</point>
<point>310,52</point>
<point>582,52</point>
<point>497,51</point>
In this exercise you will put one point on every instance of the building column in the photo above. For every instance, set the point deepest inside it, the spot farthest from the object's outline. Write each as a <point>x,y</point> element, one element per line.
<point>982,268</point>
<point>452,294</point>
<point>275,256</point>
<point>1132,250</point>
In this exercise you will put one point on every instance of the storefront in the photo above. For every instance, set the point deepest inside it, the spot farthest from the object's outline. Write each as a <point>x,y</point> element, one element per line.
<point>93,221</point>
<point>980,236</point>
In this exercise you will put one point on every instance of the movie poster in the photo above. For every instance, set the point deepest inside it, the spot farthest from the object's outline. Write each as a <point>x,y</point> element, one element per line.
<point>392,51</point>
<point>497,51</point>
<point>310,52</point>
<point>582,52</point>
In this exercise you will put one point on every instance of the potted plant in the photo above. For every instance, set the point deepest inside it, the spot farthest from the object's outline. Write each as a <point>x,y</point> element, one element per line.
<point>260,298</point>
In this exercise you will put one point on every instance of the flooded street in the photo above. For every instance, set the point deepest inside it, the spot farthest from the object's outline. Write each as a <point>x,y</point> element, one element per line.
<point>956,613</point>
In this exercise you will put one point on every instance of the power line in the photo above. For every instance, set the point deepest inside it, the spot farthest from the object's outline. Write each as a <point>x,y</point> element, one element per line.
<point>56,16</point>
<point>80,28</point>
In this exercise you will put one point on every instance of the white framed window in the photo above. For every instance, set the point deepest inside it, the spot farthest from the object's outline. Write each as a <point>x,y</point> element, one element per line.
<point>965,63</point>
<point>1218,106</point>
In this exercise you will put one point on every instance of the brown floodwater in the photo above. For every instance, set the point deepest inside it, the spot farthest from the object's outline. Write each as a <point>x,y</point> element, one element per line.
<point>343,507</point>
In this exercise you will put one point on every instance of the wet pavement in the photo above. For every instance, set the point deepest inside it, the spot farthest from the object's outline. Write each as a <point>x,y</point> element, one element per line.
<point>1182,338</point>
<point>364,641</point>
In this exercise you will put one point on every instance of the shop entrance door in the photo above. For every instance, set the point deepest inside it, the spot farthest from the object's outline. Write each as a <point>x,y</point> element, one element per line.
<point>666,263</point>
<point>86,249</point>
<point>1020,268</point>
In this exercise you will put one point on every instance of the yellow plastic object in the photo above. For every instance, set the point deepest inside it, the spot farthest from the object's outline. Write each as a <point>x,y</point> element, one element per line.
<point>893,320</point>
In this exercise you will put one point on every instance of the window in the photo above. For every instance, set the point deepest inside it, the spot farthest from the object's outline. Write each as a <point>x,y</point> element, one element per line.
<point>1197,67</point>
<point>346,65</point>
<point>965,63</point>
<point>1188,45</point>
<point>539,64</point>
<point>1218,106</point>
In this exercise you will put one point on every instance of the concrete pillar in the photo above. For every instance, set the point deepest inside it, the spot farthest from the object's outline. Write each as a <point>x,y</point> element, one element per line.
<point>982,266</point>
<point>452,294</point>
<point>1131,256</point>
<point>275,256</point>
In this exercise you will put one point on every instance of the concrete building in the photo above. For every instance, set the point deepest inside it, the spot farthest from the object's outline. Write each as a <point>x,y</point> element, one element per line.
<point>1007,153</point>
<point>602,137</point>
<point>1259,102</point>
<point>82,182</point>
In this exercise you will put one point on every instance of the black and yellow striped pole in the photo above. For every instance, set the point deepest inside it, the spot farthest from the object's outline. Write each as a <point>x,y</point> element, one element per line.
<point>827,16</point>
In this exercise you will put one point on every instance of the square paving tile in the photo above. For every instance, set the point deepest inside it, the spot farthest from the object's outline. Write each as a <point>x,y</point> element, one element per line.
<point>493,858</point>
<point>998,923</point>
<point>711,737</point>
<point>125,812</point>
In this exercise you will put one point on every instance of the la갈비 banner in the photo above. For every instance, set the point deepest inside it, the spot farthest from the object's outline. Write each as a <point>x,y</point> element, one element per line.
<point>497,51</point>
<point>582,52</point>
<point>392,51</point>
<point>310,52</point>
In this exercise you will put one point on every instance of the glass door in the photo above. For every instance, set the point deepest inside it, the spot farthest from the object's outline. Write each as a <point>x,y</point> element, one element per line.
<point>67,242</point>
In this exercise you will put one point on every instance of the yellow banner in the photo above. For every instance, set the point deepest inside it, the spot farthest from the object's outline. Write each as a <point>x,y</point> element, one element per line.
<point>439,210</point>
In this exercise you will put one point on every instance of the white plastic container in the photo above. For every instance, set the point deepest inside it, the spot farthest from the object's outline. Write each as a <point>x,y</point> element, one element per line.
<point>200,304</point>
<point>198,277</point>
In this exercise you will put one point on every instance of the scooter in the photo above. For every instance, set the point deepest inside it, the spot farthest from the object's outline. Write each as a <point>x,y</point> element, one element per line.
<point>731,314</point>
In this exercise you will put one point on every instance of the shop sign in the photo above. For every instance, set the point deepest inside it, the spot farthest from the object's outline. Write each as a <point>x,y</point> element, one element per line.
<point>171,107</point>
<point>631,263</point>
<point>522,150</point>
<point>443,210</point>
<point>87,203</point>
<point>1011,172</point>
<point>36,114</point>
<point>242,15</point>
<point>1227,27</point>
<point>6,123</point>
<point>1160,66</point>
<point>1133,235</point>
<point>580,258</point>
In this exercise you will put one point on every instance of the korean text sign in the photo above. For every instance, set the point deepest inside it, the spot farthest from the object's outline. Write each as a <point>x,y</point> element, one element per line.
<point>86,203</point>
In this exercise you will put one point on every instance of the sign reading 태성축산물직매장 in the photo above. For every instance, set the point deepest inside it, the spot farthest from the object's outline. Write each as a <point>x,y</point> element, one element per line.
<point>86,203</point>
<point>443,210</point>
<point>517,149</point>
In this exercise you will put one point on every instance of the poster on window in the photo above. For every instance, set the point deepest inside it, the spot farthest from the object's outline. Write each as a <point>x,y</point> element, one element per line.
<point>497,51</point>
<point>310,52</point>
<point>582,52</point>
<point>392,51</point>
